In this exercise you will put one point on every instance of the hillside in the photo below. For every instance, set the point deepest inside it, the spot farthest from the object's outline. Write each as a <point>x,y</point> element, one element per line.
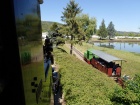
<point>47,24</point>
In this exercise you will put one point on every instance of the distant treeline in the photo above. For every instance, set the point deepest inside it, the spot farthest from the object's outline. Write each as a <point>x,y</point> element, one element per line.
<point>47,24</point>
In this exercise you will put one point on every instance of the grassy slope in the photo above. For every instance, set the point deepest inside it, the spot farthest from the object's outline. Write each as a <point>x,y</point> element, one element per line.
<point>82,84</point>
<point>131,67</point>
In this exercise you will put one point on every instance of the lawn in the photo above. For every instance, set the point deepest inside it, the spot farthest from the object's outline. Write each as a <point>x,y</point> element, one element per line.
<point>130,67</point>
<point>84,85</point>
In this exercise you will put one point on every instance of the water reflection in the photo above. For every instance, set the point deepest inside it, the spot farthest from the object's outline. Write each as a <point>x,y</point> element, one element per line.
<point>125,46</point>
<point>109,45</point>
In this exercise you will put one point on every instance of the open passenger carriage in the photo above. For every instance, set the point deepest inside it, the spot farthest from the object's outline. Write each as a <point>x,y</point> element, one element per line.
<point>104,62</point>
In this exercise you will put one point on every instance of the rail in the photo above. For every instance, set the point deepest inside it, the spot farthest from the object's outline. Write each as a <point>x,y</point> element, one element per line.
<point>78,52</point>
<point>117,79</point>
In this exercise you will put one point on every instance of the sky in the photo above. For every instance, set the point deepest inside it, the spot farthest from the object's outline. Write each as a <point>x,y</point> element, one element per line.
<point>124,14</point>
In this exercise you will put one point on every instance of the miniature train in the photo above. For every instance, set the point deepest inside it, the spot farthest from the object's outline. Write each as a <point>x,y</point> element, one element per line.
<point>104,62</point>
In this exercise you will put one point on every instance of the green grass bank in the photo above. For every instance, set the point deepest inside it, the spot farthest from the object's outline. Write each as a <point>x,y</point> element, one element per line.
<point>130,67</point>
<point>84,85</point>
<point>81,83</point>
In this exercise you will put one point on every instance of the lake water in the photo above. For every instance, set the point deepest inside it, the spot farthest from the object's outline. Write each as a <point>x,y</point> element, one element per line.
<point>125,46</point>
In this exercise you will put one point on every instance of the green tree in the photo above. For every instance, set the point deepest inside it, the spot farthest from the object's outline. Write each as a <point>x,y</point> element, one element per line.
<point>54,27</point>
<point>87,25</point>
<point>102,32</point>
<point>69,17</point>
<point>111,30</point>
<point>131,34</point>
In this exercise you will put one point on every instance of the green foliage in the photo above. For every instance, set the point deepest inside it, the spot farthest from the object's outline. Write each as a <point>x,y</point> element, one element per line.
<point>111,30</point>
<point>134,86</point>
<point>70,12</point>
<point>64,29</point>
<point>82,84</point>
<point>124,97</point>
<point>102,32</point>
<point>69,17</point>
<point>54,27</point>
<point>87,26</point>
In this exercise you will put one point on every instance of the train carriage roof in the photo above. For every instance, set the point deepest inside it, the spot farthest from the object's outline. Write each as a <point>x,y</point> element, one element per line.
<point>105,56</point>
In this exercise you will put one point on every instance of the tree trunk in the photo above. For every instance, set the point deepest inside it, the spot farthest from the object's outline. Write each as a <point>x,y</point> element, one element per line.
<point>71,46</point>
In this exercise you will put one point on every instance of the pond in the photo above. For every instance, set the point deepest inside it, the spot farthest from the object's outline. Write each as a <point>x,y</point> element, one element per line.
<point>125,46</point>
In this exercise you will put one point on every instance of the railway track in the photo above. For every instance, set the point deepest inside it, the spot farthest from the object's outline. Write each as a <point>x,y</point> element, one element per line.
<point>78,52</point>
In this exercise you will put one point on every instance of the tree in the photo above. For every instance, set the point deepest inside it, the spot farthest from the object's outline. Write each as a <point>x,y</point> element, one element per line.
<point>54,27</point>
<point>87,26</point>
<point>91,29</point>
<point>69,17</point>
<point>111,30</point>
<point>131,34</point>
<point>102,32</point>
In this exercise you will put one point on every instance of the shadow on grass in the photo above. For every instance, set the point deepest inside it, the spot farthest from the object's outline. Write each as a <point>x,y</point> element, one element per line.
<point>62,50</point>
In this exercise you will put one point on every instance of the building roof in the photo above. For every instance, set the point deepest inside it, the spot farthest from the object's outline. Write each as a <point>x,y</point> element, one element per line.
<point>105,56</point>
